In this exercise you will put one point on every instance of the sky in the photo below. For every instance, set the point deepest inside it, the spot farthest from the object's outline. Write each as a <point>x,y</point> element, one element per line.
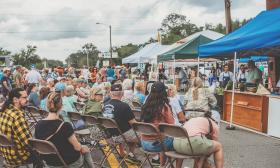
<point>61,27</point>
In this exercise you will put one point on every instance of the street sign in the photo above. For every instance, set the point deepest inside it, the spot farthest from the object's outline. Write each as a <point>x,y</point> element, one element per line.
<point>106,63</point>
<point>108,55</point>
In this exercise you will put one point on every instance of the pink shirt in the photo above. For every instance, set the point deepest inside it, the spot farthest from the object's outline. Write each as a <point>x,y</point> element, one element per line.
<point>200,126</point>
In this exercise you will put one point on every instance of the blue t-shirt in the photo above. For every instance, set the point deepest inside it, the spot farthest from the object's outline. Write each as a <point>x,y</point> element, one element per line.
<point>140,96</point>
<point>43,104</point>
<point>110,72</point>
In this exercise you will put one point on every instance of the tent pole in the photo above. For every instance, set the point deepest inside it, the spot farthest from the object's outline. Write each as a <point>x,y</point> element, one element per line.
<point>198,60</point>
<point>174,69</point>
<point>231,127</point>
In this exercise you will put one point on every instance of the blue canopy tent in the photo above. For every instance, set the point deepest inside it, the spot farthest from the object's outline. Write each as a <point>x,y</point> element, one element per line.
<point>260,36</point>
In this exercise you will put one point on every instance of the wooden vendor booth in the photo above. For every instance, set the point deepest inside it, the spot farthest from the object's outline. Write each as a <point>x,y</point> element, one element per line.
<point>260,36</point>
<point>250,110</point>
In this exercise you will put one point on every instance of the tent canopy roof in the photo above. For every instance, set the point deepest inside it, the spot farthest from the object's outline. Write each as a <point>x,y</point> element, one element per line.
<point>189,46</point>
<point>260,36</point>
<point>146,54</point>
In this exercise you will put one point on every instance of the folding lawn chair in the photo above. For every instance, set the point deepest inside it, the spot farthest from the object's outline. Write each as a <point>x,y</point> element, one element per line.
<point>178,132</point>
<point>111,124</point>
<point>6,143</point>
<point>147,129</point>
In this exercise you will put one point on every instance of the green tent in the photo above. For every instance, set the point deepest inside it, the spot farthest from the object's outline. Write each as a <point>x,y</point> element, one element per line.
<point>188,50</point>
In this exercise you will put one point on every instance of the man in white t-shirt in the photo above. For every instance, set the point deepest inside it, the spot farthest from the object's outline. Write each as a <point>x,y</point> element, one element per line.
<point>85,73</point>
<point>33,76</point>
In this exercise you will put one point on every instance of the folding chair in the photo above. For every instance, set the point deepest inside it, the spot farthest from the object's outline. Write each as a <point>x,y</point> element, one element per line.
<point>97,134</point>
<point>6,143</point>
<point>147,129</point>
<point>178,132</point>
<point>75,117</point>
<point>137,114</point>
<point>43,113</point>
<point>111,124</point>
<point>46,148</point>
<point>33,116</point>
<point>136,105</point>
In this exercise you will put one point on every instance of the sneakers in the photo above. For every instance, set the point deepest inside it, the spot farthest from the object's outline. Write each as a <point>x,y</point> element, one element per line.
<point>155,162</point>
<point>132,160</point>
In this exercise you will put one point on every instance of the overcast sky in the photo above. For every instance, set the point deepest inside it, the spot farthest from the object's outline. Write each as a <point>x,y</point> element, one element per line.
<point>61,27</point>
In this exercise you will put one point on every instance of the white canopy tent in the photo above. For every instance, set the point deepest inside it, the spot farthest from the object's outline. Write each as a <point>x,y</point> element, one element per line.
<point>146,54</point>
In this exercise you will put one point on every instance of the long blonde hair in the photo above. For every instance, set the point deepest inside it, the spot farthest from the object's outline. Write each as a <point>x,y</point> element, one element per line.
<point>197,83</point>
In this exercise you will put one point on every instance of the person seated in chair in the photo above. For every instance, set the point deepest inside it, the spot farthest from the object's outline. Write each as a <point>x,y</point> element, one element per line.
<point>13,125</point>
<point>203,134</point>
<point>61,134</point>
<point>122,114</point>
<point>94,104</point>
<point>198,99</point>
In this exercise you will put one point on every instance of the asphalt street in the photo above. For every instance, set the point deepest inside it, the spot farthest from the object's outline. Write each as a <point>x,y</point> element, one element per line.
<point>242,149</point>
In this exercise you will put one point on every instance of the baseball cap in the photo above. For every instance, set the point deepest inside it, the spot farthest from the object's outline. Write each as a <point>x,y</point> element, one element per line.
<point>97,91</point>
<point>116,87</point>
<point>158,87</point>
<point>59,87</point>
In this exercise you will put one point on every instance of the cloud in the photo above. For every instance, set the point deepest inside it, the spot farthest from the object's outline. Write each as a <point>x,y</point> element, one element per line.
<point>58,28</point>
<point>213,6</point>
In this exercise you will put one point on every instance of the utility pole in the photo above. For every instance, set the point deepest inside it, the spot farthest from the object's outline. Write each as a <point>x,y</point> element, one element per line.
<point>87,60</point>
<point>228,16</point>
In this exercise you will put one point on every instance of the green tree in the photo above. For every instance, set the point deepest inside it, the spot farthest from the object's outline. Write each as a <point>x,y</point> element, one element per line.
<point>175,27</point>
<point>27,57</point>
<point>91,50</point>
<point>124,51</point>
<point>4,52</point>
<point>79,58</point>
<point>52,63</point>
<point>220,28</point>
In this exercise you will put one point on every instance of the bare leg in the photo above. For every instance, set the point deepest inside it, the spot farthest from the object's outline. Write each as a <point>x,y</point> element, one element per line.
<point>179,163</point>
<point>199,162</point>
<point>218,154</point>
<point>162,159</point>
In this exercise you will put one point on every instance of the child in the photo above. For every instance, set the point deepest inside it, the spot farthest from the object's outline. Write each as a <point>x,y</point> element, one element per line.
<point>94,105</point>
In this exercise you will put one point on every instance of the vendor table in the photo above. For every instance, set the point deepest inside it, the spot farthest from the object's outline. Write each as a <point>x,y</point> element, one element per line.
<point>274,116</point>
<point>250,110</point>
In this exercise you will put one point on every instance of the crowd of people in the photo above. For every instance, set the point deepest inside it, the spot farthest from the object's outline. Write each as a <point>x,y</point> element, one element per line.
<point>111,93</point>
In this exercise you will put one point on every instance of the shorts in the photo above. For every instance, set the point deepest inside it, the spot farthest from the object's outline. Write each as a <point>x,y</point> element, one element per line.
<point>200,145</point>
<point>128,135</point>
<point>154,146</point>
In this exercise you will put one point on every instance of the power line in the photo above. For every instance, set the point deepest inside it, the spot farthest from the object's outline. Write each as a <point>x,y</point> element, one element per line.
<point>76,31</point>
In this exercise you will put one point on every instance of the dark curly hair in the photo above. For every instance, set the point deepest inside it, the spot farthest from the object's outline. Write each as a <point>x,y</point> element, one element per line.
<point>155,102</point>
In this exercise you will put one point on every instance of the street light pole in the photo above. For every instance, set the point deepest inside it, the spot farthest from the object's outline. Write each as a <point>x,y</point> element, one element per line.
<point>111,50</point>
<point>87,60</point>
